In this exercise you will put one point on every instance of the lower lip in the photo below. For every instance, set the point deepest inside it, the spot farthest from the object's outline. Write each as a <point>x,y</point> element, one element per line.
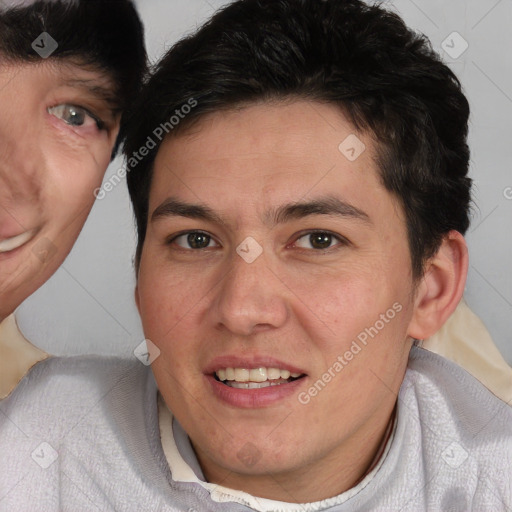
<point>253,398</point>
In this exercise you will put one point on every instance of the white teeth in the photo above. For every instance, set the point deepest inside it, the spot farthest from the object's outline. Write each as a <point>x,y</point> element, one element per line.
<point>10,244</point>
<point>253,376</point>
<point>285,374</point>
<point>273,373</point>
<point>253,385</point>
<point>241,375</point>
<point>249,385</point>
<point>258,375</point>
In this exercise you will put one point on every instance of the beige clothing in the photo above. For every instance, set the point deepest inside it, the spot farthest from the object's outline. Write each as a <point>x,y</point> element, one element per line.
<point>17,355</point>
<point>465,340</point>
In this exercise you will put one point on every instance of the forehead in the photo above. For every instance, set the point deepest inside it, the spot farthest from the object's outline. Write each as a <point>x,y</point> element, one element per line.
<point>280,127</point>
<point>64,73</point>
<point>288,148</point>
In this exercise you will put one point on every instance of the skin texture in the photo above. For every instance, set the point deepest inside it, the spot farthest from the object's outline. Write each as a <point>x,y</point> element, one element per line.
<point>298,304</point>
<point>49,167</point>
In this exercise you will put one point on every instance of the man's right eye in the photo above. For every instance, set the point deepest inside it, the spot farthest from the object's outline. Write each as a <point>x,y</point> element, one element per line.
<point>76,116</point>
<point>194,240</point>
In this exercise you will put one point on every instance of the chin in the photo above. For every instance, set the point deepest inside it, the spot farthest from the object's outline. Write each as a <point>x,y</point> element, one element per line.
<point>257,458</point>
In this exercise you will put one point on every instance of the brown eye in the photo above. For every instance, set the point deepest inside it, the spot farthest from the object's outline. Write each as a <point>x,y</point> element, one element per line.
<point>198,240</point>
<point>319,240</point>
<point>195,240</point>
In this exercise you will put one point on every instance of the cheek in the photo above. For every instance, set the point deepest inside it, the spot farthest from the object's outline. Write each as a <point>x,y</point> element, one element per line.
<point>341,302</point>
<point>72,178</point>
<point>169,305</point>
<point>169,300</point>
<point>358,313</point>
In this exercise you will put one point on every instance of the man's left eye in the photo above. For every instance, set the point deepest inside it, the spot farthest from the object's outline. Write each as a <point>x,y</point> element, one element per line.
<point>318,240</point>
<point>76,116</point>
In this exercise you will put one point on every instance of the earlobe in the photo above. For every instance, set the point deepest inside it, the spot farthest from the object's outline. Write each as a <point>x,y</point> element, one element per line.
<point>441,288</point>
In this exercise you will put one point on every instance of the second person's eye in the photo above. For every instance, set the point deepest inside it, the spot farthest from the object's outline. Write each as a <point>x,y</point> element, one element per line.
<point>76,116</point>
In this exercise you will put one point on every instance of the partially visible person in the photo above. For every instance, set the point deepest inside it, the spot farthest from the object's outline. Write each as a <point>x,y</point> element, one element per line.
<point>68,69</point>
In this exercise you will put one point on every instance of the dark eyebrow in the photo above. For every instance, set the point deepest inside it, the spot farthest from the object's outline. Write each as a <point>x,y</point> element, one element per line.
<point>325,206</point>
<point>321,206</point>
<point>95,89</point>
<point>172,207</point>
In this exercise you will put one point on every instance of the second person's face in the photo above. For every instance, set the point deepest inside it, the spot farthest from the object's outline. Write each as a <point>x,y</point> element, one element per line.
<point>57,131</point>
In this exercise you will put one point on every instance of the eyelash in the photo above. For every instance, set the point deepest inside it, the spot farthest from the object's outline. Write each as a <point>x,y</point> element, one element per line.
<point>173,238</point>
<point>100,124</point>
<point>342,241</point>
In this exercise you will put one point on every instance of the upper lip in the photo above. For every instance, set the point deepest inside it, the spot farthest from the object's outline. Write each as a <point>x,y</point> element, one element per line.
<point>259,361</point>
<point>15,224</point>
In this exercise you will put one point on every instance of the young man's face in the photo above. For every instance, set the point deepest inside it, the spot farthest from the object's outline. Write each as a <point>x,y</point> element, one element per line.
<point>52,157</point>
<point>334,269</point>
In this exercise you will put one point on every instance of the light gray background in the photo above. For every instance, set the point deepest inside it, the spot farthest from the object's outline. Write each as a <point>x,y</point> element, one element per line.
<point>88,306</point>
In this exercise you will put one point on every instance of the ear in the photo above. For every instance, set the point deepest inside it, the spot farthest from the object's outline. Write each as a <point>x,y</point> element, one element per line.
<point>441,287</point>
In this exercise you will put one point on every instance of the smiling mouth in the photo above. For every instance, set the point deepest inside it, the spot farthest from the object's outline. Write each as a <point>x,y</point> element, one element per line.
<point>15,242</point>
<point>255,378</point>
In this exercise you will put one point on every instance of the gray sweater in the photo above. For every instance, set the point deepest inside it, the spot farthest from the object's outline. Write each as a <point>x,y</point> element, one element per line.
<point>82,434</point>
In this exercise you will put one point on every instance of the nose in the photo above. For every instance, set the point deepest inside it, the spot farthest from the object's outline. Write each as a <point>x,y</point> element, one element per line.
<point>250,298</point>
